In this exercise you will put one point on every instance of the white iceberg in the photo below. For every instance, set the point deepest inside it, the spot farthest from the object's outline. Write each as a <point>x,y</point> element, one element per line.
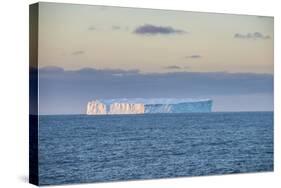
<point>147,106</point>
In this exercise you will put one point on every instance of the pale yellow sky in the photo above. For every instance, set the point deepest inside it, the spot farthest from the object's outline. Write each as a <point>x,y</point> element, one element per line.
<point>79,36</point>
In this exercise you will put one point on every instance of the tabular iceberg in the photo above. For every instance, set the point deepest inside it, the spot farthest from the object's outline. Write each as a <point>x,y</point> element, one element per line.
<point>147,106</point>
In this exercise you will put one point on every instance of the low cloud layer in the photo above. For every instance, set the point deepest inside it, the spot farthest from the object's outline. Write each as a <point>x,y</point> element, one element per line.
<point>173,67</point>
<point>255,36</point>
<point>195,56</point>
<point>149,29</point>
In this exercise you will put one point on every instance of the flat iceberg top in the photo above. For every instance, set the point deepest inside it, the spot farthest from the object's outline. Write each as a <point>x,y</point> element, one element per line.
<point>152,100</point>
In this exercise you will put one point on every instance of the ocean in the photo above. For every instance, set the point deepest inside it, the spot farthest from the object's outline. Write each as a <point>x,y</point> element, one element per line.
<point>83,149</point>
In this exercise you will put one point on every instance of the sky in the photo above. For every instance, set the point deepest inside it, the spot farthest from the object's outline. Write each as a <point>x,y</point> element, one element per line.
<point>88,52</point>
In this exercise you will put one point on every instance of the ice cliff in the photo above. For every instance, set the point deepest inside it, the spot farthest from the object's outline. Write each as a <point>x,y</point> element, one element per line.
<point>126,108</point>
<point>184,107</point>
<point>96,108</point>
<point>143,106</point>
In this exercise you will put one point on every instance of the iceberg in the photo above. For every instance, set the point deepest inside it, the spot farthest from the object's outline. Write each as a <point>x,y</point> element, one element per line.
<point>148,106</point>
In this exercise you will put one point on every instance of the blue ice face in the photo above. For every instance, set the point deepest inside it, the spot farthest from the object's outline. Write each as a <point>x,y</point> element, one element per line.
<point>185,107</point>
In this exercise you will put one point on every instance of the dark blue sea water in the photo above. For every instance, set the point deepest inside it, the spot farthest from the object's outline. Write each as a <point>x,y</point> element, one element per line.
<point>80,148</point>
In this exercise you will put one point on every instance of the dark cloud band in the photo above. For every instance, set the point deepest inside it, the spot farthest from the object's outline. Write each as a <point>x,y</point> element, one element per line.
<point>255,35</point>
<point>149,29</point>
<point>173,67</point>
<point>193,56</point>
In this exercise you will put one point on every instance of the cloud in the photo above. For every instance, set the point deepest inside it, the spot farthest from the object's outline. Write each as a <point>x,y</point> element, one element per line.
<point>195,56</point>
<point>78,52</point>
<point>88,71</point>
<point>173,67</point>
<point>255,36</point>
<point>149,29</point>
